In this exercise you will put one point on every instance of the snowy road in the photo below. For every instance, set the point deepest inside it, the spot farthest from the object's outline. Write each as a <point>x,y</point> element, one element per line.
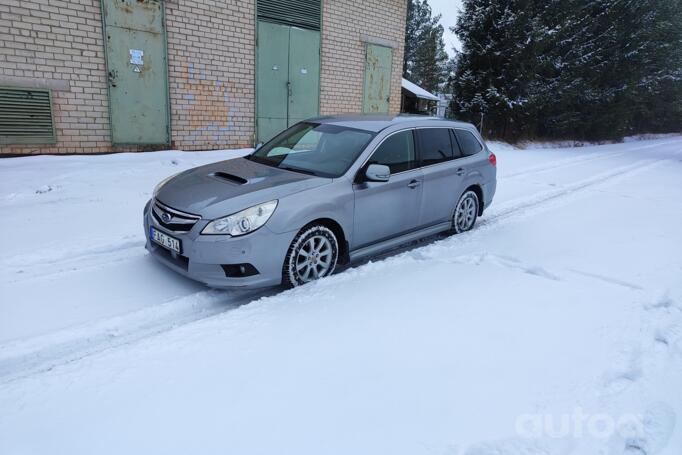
<point>567,296</point>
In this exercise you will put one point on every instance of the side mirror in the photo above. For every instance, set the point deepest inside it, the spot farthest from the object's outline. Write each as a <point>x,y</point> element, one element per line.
<point>377,173</point>
<point>259,145</point>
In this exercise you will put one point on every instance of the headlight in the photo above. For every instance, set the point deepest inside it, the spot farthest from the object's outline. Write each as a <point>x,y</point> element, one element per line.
<point>242,222</point>
<point>162,183</point>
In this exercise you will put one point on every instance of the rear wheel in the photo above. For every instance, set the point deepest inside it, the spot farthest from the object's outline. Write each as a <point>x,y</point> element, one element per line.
<point>466,212</point>
<point>312,255</point>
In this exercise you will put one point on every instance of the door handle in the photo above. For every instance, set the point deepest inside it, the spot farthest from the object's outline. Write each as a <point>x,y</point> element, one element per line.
<point>414,184</point>
<point>459,172</point>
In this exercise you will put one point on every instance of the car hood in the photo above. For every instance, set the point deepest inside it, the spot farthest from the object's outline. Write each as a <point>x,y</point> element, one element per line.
<point>226,187</point>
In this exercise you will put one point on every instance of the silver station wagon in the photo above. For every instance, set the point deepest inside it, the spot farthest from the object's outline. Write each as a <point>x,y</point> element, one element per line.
<point>327,191</point>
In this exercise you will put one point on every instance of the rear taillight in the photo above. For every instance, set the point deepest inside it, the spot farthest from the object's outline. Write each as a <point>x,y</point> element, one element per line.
<point>493,159</point>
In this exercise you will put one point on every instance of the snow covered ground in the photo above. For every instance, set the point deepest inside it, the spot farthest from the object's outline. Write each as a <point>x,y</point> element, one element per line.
<point>555,327</point>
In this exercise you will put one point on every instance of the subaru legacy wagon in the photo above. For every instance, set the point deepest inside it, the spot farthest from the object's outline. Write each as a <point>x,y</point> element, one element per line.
<point>326,191</point>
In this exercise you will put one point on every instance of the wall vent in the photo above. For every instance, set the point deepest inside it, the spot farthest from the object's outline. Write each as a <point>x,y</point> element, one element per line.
<point>26,116</point>
<point>299,13</point>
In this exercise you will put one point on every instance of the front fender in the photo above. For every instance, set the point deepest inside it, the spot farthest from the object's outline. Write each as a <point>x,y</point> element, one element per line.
<point>334,201</point>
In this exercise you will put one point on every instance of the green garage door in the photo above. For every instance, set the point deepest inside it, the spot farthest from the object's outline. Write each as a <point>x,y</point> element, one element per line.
<point>304,74</point>
<point>273,79</point>
<point>136,63</point>
<point>288,82</point>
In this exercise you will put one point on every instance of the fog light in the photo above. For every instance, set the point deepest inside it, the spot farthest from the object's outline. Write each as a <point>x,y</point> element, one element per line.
<point>239,270</point>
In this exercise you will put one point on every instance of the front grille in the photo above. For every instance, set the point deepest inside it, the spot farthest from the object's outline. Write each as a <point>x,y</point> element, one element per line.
<point>172,219</point>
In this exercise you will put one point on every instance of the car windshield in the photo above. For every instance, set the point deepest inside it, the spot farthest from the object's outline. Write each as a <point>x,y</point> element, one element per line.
<point>314,148</point>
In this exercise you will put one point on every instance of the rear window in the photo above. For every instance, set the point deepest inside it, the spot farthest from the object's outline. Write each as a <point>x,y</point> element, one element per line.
<point>468,143</point>
<point>435,145</point>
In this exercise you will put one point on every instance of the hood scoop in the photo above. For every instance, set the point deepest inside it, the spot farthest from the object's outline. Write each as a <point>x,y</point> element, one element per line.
<point>230,178</point>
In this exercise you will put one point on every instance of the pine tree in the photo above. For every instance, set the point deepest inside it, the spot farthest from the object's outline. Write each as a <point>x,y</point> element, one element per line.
<point>588,69</point>
<point>496,64</point>
<point>425,59</point>
<point>621,63</point>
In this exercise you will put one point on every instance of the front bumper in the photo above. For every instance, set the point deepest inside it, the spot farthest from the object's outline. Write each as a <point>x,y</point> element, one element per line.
<point>203,256</point>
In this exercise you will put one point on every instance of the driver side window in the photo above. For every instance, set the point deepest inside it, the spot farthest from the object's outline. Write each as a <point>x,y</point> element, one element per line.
<point>396,152</point>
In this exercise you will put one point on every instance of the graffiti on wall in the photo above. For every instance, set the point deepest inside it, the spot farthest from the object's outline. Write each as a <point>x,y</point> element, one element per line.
<point>205,106</point>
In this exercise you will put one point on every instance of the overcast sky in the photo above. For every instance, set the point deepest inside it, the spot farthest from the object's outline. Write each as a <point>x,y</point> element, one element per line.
<point>449,9</point>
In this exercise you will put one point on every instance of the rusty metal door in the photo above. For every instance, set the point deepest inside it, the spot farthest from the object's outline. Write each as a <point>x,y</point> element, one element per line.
<point>138,72</point>
<point>377,94</point>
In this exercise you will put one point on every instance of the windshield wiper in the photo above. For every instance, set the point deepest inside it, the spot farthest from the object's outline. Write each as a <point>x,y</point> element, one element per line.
<point>295,169</point>
<point>267,162</point>
<point>257,159</point>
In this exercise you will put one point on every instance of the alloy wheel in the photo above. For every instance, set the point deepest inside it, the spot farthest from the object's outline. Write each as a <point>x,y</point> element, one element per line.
<point>314,258</point>
<point>467,209</point>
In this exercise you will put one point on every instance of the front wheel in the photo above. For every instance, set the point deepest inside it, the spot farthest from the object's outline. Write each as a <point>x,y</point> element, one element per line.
<point>466,212</point>
<point>312,255</point>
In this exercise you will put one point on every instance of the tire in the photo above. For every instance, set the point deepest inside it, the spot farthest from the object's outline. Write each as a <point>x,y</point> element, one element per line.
<point>466,212</point>
<point>312,255</point>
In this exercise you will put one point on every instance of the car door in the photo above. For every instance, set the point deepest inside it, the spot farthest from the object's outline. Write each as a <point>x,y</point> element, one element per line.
<point>473,165</point>
<point>439,156</point>
<point>388,209</point>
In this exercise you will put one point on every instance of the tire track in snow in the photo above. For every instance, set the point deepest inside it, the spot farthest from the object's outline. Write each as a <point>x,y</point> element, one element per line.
<point>575,161</point>
<point>40,354</point>
<point>31,266</point>
<point>561,164</point>
<point>521,206</point>
<point>23,358</point>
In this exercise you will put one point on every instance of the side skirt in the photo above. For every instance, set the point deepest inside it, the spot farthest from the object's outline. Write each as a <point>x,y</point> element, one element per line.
<point>376,248</point>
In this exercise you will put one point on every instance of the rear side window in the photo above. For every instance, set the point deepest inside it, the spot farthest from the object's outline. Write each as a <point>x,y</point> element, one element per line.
<point>455,145</point>
<point>435,145</point>
<point>468,143</point>
<point>396,152</point>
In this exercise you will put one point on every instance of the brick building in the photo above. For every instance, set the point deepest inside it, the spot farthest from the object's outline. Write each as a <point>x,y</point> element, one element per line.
<point>91,76</point>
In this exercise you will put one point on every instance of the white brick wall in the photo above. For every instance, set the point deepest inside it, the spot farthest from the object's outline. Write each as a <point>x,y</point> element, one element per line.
<point>345,23</point>
<point>61,42</point>
<point>211,59</point>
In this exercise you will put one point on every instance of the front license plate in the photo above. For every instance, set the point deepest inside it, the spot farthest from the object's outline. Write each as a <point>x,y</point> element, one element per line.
<point>165,241</point>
